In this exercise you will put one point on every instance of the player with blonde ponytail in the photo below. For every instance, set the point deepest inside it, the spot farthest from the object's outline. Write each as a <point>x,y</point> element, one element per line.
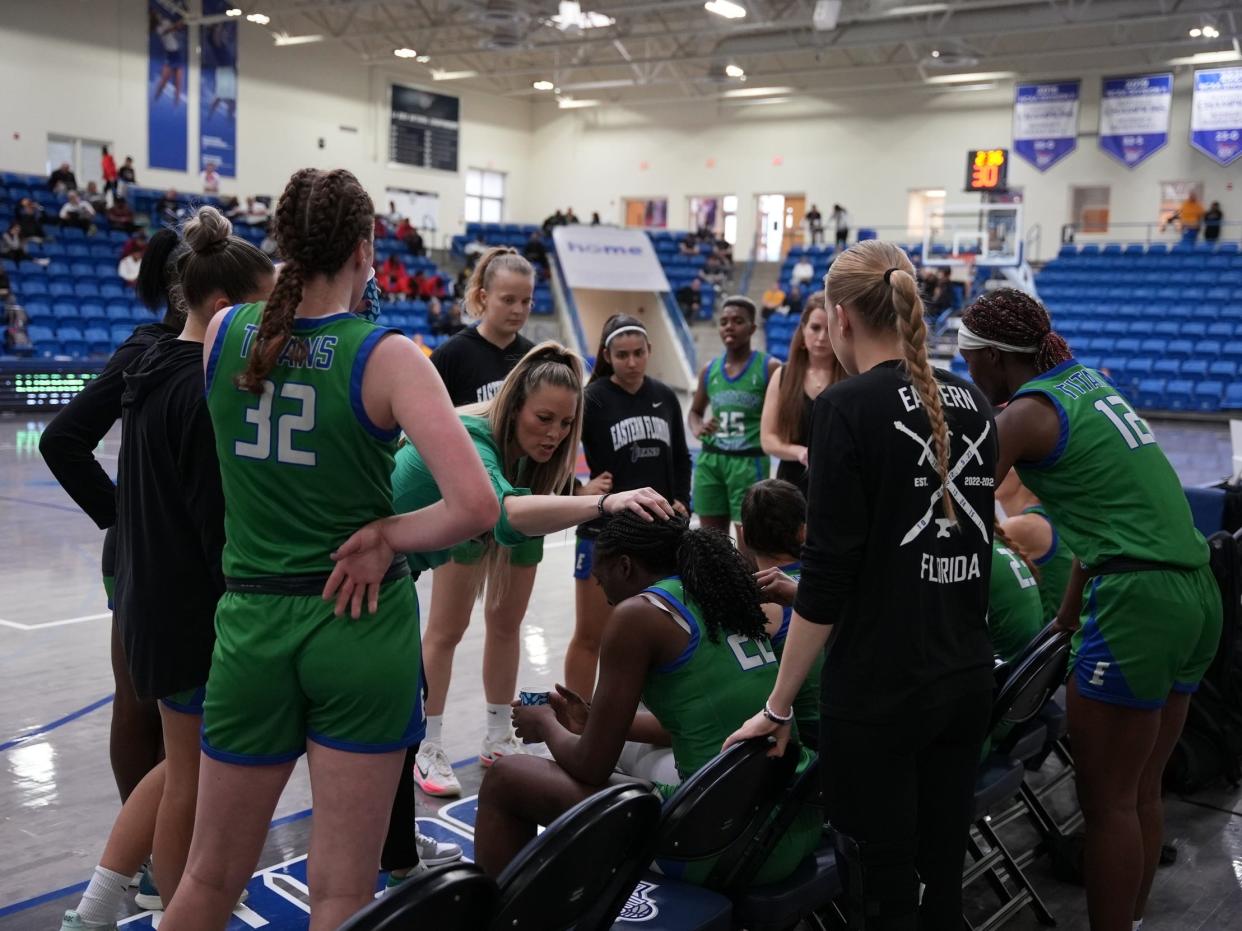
<point>895,567</point>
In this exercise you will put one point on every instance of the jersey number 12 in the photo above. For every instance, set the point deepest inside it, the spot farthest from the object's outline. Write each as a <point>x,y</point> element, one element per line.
<point>1129,424</point>
<point>303,421</point>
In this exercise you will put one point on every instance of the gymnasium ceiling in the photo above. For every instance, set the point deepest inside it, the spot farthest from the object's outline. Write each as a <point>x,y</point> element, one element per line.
<point>673,51</point>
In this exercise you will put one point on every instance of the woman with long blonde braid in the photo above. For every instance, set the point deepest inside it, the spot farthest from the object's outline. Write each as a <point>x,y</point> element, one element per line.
<point>895,568</point>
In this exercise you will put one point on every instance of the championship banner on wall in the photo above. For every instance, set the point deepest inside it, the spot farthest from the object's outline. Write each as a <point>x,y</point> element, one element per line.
<point>1134,116</point>
<point>1216,114</point>
<point>609,259</point>
<point>1045,122</point>
<point>167,41</point>
<point>217,98</point>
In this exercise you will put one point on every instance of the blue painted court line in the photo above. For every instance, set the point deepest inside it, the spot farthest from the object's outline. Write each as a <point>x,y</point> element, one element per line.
<point>59,722</point>
<point>40,899</point>
<point>42,504</point>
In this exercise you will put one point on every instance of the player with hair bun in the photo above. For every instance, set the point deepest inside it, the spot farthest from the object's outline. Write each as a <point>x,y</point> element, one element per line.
<point>1142,601</point>
<point>895,568</point>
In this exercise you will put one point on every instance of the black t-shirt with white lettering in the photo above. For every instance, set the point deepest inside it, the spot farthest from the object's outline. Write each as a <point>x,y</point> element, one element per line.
<point>640,438</point>
<point>472,368</point>
<point>907,593</point>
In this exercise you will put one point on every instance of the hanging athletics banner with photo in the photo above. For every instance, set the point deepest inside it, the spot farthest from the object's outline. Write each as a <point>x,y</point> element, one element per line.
<point>1134,116</point>
<point>167,42</point>
<point>1216,114</point>
<point>217,94</point>
<point>1045,122</point>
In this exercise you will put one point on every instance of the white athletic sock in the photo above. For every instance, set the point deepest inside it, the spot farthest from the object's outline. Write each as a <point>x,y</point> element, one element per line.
<point>499,720</point>
<point>434,723</point>
<point>101,902</point>
<point>1137,926</point>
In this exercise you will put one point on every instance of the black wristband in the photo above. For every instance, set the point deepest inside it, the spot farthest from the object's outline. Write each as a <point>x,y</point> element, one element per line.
<point>600,504</point>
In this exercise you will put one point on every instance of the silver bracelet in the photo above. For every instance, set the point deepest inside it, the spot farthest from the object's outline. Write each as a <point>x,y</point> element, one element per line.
<point>774,717</point>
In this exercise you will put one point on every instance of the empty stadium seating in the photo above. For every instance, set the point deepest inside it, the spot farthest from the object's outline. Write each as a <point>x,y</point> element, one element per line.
<point>1164,323</point>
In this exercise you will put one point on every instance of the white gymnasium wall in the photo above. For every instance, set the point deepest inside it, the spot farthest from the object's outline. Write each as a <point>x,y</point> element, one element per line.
<point>78,68</point>
<point>867,154</point>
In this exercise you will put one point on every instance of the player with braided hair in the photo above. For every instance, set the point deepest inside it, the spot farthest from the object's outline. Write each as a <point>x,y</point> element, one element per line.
<point>687,638</point>
<point>1151,621</point>
<point>895,568</point>
<point>307,400</point>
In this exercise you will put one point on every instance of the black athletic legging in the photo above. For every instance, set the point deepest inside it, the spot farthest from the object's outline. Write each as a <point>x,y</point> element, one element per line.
<point>400,851</point>
<point>903,794</point>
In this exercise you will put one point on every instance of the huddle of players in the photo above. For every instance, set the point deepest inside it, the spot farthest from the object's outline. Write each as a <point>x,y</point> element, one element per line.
<point>291,358</point>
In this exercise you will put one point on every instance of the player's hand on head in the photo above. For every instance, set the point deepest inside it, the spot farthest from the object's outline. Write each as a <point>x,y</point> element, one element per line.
<point>775,587</point>
<point>647,503</point>
<point>362,561</point>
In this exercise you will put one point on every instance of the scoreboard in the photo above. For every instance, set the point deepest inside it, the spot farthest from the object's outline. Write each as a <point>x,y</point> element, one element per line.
<point>987,170</point>
<point>423,128</point>
<point>43,384</point>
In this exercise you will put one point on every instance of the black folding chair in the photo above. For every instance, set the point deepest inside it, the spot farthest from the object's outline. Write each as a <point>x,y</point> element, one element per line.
<point>453,897</point>
<point>1027,685</point>
<point>562,873</point>
<point>714,813</point>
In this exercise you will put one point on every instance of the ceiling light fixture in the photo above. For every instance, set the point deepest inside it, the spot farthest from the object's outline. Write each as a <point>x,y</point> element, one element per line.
<point>756,102</point>
<point>233,12</point>
<point>259,19</point>
<point>423,59</point>
<point>284,39</point>
<point>452,75</point>
<point>569,103</point>
<point>758,92</point>
<point>543,85</point>
<point>405,53</point>
<point>735,71</point>
<point>1196,32</point>
<point>1208,58</point>
<point>570,16</point>
<point>936,193</point>
<point>968,77</point>
<point>726,8</point>
<point>935,53</point>
<point>1211,32</point>
<point>918,9</point>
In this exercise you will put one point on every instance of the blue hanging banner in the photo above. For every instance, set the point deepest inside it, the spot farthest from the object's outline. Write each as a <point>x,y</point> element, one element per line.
<point>1045,122</point>
<point>217,99</point>
<point>1134,116</point>
<point>1216,114</point>
<point>167,41</point>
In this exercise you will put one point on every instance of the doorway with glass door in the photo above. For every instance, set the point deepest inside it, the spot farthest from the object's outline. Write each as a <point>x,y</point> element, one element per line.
<point>778,225</point>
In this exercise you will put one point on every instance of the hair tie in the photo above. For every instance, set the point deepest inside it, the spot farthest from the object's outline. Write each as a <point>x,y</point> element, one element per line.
<point>888,275</point>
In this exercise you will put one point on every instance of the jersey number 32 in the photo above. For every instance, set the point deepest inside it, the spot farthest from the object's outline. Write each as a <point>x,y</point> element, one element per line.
<point>287,424</point>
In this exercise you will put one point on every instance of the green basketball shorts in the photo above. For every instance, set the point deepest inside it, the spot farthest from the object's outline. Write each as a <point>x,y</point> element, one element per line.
<point>471,553</point>
<point>721,481</point>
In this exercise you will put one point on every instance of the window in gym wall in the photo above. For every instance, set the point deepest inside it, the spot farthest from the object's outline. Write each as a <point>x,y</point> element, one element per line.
<point>717,214</point>
<point>83,156</point>
<point>919,210</point>
<point>1173,193</point>
<point>1089,206</point>
<point>485,196</point>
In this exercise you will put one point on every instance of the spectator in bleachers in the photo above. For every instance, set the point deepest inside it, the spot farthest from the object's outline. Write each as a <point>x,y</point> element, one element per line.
<point>168,208</point>
<point>12,247</point>
<point>1212,221</point>
<point>474,249</point>
<point>815,223</point>
<point>135,243</point>
<point>257,213</point>
<point>689,298</point>
<point>107,168</point>
<point>570,216</point>
<point>121,216</point>
<point>393,218</point>
<point>393,279</point>
<point>535,251</point>
<point>841,224</point>
<point>380,229</point>
<point>211,179</point>
<point>77,212</point>
<point>943,296</point>
<point>62,179</point>
<point>16,339</point>
<point>724,251</point>
<point>557,219</point>
<point>689,245</point>
<point>1190,216</point>
<point>95,198</point>
<point>595,218</point>
<point>461,282</point>
<point>269,246</point>
<point>412,238</point>
<point>30,219</point>
<point>231,207</point>
<point>429,286</point>
<point>713,270</point>
<point>795,299</point>
<point>6,287</point>
<point>803,271</point>
<point>128,267</point>
<point>125,176</point>
<point>773,299</point>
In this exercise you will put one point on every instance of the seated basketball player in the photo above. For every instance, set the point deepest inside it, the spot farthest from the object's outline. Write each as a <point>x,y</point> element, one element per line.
<point>687,637</point>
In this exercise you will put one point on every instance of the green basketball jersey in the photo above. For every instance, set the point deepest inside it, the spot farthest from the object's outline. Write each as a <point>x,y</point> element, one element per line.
<point>737,404</point>
<point>1054,567</point>
<point>302,464</point>
<point>705,694</point>
<point>1107,484</point>
<point>806,704</point>
<point>1015,613</point>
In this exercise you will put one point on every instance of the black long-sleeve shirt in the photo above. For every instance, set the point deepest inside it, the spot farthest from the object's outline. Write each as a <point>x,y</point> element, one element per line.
<point>472,368</point>
<point>170,522</point>
<point>640,438</point>
<point>908,595</point>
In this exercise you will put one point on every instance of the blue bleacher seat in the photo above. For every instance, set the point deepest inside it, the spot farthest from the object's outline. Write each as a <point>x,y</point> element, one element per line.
<point>86,289</point>
<point>1232,350</point>
<point>1223,369</point>
<point>104,251</point>
<point>113,290</point>
<point>1182,348</point>
<point>32,287</point>
<point>43,339</point>
<point>89,310</point>
<point>1127,347</point>
<point>1220,330</point>
<point>120,332</point>
<point>1207,349</point>
<point>1232,400</point>
<point>72,340</point>
<point>1140,367</point>
<point>105,271</point>
<point>118,310</point>
<point>1194,369</point>
<point>1166,367</point>
<point>1100,345</point>
<point>1090,361</point>
<point>1192,329</point>
<point>64,310</point>
<point>98,341</point>
<point>1179,394</point>
<point>1150,393</point>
